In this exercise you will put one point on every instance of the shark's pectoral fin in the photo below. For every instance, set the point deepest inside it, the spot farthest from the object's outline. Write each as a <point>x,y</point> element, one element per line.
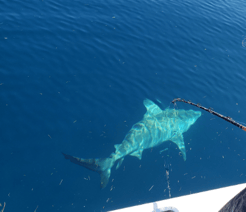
<point>119,163</point>
<point>179,140</point>
<point>137,154</point>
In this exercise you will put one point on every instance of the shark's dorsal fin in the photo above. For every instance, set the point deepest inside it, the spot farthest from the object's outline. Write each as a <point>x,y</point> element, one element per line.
<point>137,154</point>
<point>152,108</point>
<point>179,140</point>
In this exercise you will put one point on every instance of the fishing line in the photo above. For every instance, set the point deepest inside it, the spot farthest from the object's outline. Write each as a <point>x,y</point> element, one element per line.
<point>210,110</point>
<point>166,164</point>
<point>167,172</point>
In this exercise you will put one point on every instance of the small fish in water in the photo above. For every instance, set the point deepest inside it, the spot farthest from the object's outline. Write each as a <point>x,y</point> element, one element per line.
<point>163,150</point>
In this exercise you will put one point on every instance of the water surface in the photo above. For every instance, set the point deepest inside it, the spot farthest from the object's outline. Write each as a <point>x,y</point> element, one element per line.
<point>73,77</point>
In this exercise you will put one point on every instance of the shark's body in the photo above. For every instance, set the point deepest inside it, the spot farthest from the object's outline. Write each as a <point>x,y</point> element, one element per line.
<point>156,127</point>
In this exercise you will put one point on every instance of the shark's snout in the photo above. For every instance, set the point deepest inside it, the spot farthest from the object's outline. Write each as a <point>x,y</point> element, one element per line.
<point>197,114</point>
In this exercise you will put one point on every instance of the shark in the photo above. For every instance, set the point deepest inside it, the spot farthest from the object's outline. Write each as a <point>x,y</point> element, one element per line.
<point>156,127</point>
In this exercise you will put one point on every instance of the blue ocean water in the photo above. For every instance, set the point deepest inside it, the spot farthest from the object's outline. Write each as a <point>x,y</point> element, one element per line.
<point>73,77</point>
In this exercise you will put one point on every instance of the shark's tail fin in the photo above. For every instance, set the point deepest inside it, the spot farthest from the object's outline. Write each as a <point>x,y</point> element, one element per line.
<point>102,166</point>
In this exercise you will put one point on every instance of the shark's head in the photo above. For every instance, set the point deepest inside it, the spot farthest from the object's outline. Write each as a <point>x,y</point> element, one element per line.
<point>190,117</point>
